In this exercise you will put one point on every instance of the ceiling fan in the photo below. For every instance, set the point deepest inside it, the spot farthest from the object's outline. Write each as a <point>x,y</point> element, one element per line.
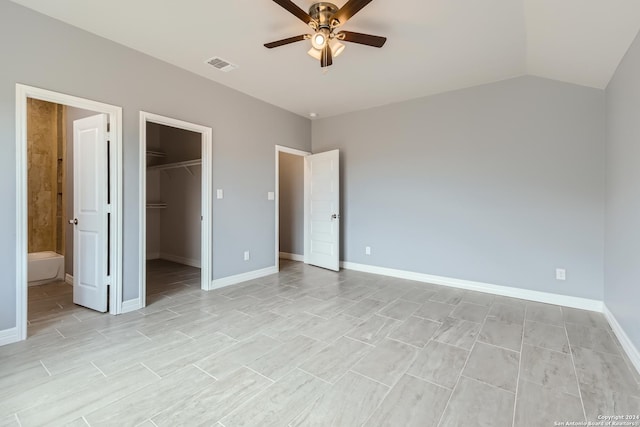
<point>324,19</point>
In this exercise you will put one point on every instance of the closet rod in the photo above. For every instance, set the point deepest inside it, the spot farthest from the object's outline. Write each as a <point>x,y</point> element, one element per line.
<point>176,165</point>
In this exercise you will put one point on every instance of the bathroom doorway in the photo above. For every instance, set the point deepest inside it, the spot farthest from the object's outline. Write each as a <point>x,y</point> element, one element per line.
<point>54,138</point>
<point>68,212</point>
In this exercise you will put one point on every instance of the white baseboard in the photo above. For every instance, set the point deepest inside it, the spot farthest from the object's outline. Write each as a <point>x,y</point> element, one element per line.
<point>9,336</point>
<point>69,279</point>
<point>625,341</point>
<point>292,257</point>
<point>546,297</point>
<point>239,278</point>
<point>130,305</point>
<point>180,260</point>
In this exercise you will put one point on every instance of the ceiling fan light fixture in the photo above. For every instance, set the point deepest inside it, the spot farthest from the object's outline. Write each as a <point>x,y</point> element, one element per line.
<point>320,39</point>
<point>325,18</point>
<point>315,53</point>
<point>336,47</point>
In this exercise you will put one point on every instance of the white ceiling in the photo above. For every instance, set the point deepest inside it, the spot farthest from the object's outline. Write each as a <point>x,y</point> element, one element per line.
<point>433,45</point>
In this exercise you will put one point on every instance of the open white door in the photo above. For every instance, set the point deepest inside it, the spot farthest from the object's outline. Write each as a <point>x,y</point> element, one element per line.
<point>323,221</point>
<point>90,255</point>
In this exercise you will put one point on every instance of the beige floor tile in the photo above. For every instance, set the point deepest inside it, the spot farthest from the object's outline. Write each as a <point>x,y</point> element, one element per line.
<point>365,308</point>
<point>286,357</point>
<point>439,363</point>
<point>387,362</point>
<point>493,365</point>
<point>603,371</point>
<point>447,296</point>
<point>415,331</point>
<point>331,329</point>
<point>508,313</point>
<point>67,405</point>
<point>186,353</point>
<point>42,394</point>
<point>435,311</point>
<point>507,335</point>
<point>399,310</point>
<point>591,338</point>
<point>544,313</point>
<point>214,401</point>
<point>9,421</point>
<point>232,358</point>
<point>538,406</point>
<point>374,329</point>
<point>411,403</point>
<point>549,368</point>
<point>148,401</point>
<point>546,336</point>
<point>584,317</point>
<point>336,359</point>
<point>480,405</point>
<point>318,334</point>
<point>471,312</point>
<point>348,403</point>
<point>460,333</point>
<point>280,403</point>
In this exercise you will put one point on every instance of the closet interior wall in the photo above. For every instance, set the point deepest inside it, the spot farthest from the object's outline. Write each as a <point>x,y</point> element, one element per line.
<point>174,192</point>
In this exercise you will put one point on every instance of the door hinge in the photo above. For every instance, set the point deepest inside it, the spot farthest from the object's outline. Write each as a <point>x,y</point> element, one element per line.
<point>108,127</point>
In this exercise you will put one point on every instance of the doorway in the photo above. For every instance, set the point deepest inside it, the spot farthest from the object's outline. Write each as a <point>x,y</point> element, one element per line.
<point>43,207</point>
<point>175,206</point>
<point>320,215</point>
<point>290,204</point>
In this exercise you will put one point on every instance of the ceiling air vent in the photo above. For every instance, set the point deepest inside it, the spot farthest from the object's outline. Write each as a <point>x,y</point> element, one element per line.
<point>221,64</point>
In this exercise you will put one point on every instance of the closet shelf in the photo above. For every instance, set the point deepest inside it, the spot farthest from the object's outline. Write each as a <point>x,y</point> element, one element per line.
<point>156,205</point>
<point>177,165</point>
<point>152,153</point>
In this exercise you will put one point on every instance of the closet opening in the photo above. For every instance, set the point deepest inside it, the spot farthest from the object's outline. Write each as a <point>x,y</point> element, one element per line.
<point>290,205</point>
<point>176,210</point>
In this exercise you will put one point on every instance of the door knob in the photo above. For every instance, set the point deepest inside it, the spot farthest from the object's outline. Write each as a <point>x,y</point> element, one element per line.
<point>335,216</point>
<point>73,221</point>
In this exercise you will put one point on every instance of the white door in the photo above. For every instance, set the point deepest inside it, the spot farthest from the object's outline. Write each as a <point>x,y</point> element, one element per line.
<point>90,212</point>
<point>323,222</point>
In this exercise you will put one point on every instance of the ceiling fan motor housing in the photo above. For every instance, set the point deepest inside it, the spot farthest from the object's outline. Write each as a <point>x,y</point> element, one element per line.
<point>322,12</point>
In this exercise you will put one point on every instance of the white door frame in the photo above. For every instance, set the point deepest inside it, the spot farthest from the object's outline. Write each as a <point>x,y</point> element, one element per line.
<point>206,239</point>
<point>115,122</point>
<point>303,154</point>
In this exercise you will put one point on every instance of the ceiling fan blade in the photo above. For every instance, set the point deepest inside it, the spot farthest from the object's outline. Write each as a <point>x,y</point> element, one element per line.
<point>366,39</point>
<point>295,10</point>
<point>326,57</point>
<point>289,40</point>
<point>349,9</point>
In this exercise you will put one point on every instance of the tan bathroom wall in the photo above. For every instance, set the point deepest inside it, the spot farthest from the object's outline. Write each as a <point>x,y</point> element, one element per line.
<point>45,150</point>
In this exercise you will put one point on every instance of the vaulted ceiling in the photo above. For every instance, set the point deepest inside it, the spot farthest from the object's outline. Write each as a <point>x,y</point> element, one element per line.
<point>433,45</point>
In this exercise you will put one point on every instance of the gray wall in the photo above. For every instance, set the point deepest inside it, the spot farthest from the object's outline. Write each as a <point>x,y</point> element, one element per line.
<point>622,238</point>
<point>72,115</point>
<point>245,132</point>
<point>291,194</point>
<point>500,183</point>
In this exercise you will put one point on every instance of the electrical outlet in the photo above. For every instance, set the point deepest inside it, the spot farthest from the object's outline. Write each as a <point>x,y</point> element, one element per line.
<point>219,194</point>
<point>367,250</point>
<point>561,274</point>
<point>246,255</point>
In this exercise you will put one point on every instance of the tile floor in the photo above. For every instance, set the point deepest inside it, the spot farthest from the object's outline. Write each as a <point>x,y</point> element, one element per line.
<point>312,347</point>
